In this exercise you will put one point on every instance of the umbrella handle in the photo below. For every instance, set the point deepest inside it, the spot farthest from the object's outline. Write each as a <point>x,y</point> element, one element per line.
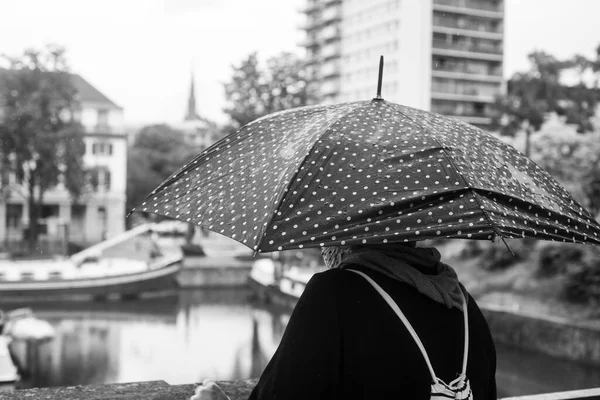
<point>380,79</point>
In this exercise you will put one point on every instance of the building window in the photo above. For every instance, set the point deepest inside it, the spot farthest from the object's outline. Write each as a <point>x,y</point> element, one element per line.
<point>106,179</point>
<point>102,118</point>
<point>14,215</point>
<point>99,179</point>
<point>102,148</point>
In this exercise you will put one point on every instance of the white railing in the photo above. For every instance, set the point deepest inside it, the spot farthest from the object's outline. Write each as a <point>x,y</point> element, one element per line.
<point>97,248</point>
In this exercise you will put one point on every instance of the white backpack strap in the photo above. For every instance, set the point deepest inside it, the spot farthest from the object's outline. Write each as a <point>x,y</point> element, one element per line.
<point>466,349</point>
<point>400,315</point>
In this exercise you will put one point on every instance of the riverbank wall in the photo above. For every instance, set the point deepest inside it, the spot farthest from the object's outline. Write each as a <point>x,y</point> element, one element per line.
<point>214,272</point>
<point>554,336</point>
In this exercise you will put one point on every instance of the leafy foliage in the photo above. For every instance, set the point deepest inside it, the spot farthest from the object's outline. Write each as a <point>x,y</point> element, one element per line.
<point>532,95</point>
<point>157,152</point>
<point>496,256</point>
<point>583,283</point>
<point>255,91</point>
<point>578,266</point>
<point>41,143</point>
<point>573,159</point>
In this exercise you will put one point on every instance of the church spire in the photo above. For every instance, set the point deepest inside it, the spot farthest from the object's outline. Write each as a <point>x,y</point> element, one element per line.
<point>191,113</point>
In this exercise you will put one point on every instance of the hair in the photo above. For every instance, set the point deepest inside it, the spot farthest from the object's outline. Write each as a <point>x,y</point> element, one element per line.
<point>333,255</point>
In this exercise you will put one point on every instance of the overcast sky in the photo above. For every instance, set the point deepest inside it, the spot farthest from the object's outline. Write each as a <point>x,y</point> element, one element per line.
<point>140,52</point>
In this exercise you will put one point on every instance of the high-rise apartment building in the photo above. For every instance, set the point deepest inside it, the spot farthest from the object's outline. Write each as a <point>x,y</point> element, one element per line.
<point>323,46</point>
<point>440,55</point>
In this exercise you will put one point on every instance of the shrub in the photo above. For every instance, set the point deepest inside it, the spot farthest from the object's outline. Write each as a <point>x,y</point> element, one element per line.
<point>555,259</point>
<point>495,256</point>
<point>583,277</point>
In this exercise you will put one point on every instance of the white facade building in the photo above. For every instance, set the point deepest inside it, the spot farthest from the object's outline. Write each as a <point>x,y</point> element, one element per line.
<point>100,211</point>
<point>440,55</point>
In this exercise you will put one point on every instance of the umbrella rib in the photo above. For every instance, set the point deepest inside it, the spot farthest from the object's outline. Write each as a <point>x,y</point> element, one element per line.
<point>451,160</point>
<point>293,178</point>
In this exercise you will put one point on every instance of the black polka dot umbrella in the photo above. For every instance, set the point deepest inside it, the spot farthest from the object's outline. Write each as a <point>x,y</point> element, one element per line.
<point>367,172</point>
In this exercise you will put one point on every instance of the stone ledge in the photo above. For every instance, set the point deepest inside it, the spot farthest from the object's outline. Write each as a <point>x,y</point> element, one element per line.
<point>154,390</point>
<point>236,390</point>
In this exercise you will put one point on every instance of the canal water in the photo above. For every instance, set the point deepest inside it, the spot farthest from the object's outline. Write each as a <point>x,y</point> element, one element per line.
<point>221,334</point>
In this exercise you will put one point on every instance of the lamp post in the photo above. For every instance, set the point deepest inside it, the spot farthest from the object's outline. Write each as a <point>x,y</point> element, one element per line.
<point>29,167</point>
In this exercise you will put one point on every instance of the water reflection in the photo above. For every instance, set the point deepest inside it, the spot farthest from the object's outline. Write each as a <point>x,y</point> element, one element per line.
<point>526,372</point>
<point>219,334</point>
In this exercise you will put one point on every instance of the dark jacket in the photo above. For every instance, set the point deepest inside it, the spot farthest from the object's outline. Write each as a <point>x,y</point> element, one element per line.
<point>344,342</point>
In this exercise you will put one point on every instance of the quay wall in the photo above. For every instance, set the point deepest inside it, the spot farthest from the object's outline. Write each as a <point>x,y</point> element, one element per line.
<point>213,272</point>
<point>554,336</point>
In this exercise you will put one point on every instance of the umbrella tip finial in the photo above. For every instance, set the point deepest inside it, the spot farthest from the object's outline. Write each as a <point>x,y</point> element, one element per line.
<point>378,97</point>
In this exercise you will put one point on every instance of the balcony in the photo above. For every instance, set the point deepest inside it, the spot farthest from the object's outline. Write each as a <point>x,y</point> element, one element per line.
<point>472,8</point>
<point>468,26</point>
<point>312,61</point>
<point>472,4</point>
<point>473,120</point>
<point>467,67</point>
<point>330,70</point>
<point>469,47</point>
<point>464,53</point>
<point>311,41</point>
<point>468,33</point>
<point>311,24</point>
<point>102,128</point>
<point>466,76</point>
<point>330,88</point>
<point>329,16</point>
<point>99,129</point>
<point>328,3</point>
<point>316,5</point>
<point>311,7</point>
<point>472,95</point>
<point>330,51</point>
<point>475,113</point>
<point>330,33</point>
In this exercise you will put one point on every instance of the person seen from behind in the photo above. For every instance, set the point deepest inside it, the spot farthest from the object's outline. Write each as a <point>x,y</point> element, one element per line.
<point>383,321</point>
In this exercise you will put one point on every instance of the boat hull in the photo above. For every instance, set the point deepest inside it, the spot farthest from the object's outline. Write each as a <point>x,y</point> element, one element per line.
<point>126,285</point>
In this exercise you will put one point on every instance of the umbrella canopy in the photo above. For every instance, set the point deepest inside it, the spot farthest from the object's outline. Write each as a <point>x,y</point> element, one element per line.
<point>367,172</point>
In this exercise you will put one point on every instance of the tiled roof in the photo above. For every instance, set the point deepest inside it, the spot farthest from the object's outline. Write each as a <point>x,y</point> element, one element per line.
<point>89,93</point>
<point>86,92</point>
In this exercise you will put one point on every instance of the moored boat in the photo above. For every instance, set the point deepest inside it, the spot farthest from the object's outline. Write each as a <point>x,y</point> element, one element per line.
<point>125,265</point>
<point>90,277</point>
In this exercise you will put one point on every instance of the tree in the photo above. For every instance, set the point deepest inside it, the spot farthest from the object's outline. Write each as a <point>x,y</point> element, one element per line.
<point>42,145</point>
<point>573,159</point>
<point>532,95</point>
<point>157,152</point>
<point>255,91</point>
<point>522,108</point>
